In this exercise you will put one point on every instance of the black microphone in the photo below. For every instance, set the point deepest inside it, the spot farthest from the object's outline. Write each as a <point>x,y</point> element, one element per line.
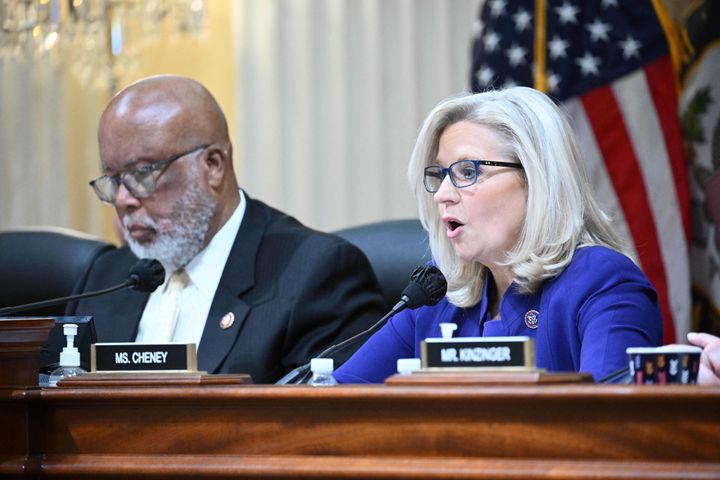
<point>145,276</point>
<point>426,288</point>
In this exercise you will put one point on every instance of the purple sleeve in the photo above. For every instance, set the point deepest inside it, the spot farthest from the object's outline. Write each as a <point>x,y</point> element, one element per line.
<point>377,358</point>
<point>621,312</point>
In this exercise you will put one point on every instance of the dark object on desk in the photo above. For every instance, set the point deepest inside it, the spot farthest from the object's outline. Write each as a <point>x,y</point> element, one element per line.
<point>45,263</point>
<point>132,357</point>
<point>50,354</point>
<point>394,248</point>
<point>509,353</point>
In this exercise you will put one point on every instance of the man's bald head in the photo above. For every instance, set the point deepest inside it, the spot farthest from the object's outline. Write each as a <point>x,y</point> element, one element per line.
<point>172,106</point>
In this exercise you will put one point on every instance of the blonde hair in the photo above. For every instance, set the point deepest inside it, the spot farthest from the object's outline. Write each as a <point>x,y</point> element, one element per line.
<point>561,213</point>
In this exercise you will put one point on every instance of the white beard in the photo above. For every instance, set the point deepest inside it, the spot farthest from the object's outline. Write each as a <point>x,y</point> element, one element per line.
<point>181,235</point>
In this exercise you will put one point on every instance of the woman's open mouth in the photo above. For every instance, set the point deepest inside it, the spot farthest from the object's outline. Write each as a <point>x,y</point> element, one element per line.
<point>454,227</point>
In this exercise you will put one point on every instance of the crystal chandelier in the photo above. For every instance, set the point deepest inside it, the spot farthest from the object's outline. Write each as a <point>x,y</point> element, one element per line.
<point>100,38</point>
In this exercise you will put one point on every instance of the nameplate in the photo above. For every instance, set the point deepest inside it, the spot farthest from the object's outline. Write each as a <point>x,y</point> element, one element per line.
<point>506,353</point>
<point>143,357</point>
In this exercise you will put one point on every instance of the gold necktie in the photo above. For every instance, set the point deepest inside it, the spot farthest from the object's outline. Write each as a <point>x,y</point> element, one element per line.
<point>162,328</point>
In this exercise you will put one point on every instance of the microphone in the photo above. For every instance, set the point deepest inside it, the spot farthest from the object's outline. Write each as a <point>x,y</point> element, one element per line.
<point>145,276</point>
<point>426,288</point>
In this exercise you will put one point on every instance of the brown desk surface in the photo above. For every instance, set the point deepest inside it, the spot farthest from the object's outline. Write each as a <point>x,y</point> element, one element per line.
<point>559,431</point>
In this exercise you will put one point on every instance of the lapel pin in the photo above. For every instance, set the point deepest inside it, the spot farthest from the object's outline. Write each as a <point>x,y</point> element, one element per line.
<point>227,320</point>
<point>531,319</point>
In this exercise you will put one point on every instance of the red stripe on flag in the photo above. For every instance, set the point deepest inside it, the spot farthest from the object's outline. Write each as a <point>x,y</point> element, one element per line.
<point>618,154</point>
<point>661,79</point>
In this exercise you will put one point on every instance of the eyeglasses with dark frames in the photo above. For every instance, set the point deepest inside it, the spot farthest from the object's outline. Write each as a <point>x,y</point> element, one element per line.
<point>141,182</point>
<point>463,173</point>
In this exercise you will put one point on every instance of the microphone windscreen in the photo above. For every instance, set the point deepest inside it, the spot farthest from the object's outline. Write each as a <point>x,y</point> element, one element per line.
<point>427,287</point>
<point>146,275</point>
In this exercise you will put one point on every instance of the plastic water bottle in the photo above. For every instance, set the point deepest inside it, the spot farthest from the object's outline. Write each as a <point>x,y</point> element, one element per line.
<point>406,366</point>
<point>322,369</point>
<point>69,358</point>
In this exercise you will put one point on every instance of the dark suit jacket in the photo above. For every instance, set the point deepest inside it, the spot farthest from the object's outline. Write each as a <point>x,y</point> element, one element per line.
<point>293,290</point>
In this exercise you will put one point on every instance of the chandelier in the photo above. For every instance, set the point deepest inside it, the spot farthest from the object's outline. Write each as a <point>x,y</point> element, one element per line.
<point>99,38</point>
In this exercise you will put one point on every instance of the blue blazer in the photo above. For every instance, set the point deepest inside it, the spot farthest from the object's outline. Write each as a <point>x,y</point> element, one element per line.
<point>582,320</point>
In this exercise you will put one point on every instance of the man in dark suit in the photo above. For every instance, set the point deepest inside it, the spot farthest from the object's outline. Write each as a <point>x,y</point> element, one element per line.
<point>256,290</point>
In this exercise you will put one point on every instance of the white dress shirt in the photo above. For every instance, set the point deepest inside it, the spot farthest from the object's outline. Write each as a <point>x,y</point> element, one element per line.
<point>204,271</point>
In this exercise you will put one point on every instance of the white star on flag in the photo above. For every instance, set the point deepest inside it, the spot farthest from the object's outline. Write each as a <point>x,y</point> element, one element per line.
<point>497,7</point>
<point>630,47</point>
<point>491,41</point>
<point>516,55</point>
<point>598,30</point>
<point>588,64</point>
<point>522,20</point>
<point>485,75</point>
<point>558,47</point>
<point>567,13</point>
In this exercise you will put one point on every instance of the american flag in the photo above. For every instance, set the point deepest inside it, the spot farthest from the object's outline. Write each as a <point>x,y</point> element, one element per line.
<point>607,63</point>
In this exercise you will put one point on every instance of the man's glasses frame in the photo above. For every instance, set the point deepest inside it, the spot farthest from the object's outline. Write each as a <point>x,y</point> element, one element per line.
<point>469,168</point>
<point>140,182</point>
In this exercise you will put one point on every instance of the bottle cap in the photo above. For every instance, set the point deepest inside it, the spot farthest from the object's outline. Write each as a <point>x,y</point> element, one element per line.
<point>70,329</point>
<point>408,365</point>
<point>322,365</point>
<point>447,329</point>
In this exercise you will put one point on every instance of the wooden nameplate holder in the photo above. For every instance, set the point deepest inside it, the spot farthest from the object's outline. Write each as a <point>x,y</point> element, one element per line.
<point>496,377</point>
<point>153,379</point>
<point>148,365</point>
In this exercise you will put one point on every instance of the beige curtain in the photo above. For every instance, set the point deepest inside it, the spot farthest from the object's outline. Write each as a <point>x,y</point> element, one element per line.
<point>44,158</point>
<point>330,96</point>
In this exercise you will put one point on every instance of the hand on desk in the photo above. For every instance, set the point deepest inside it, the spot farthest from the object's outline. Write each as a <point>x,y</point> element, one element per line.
<point>709,373</point>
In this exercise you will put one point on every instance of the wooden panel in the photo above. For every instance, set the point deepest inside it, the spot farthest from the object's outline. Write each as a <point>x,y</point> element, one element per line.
<point>199,430</point>
<point>578,423</point>
<point>324,467</point>
<point>21,340</point>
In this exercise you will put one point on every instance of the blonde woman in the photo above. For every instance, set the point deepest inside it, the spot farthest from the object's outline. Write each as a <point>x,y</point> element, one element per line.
<point>503,193</point>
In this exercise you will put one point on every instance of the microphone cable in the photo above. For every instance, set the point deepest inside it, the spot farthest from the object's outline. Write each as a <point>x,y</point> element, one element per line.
<point>146,275</point>
<point>426,288</point>
<point>621,376</point>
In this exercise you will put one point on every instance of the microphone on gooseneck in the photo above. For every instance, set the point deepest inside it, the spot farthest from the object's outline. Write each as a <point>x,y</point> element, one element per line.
<point>145,276</point>
<point>426,288</point>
